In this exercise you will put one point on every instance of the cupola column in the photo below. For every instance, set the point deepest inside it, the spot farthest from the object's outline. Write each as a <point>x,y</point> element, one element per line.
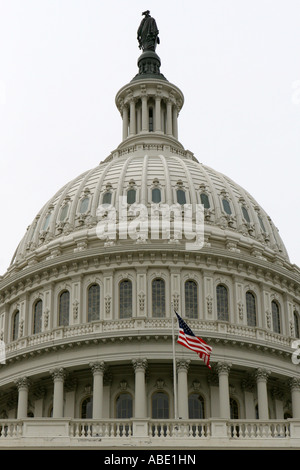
<point>132,125</point>
<point>295,391</point>
<point>125,121</point>
<point>157,113</point>
<point>145,118</point>
<point>175,123</point>
<point>183,403</point>
<point>98,369</point>
<point>262,395</point>
<point>23,386</point>
<point>140,366</point>
<point>169,117</point>
<point>223,372</point>
<point>58,376</point>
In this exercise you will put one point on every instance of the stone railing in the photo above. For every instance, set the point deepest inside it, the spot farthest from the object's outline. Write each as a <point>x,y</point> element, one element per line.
<point>156,433</point>
<point>139,326</point>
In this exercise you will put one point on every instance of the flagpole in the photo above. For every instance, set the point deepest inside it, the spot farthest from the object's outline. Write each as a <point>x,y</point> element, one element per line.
<point>174,368</point>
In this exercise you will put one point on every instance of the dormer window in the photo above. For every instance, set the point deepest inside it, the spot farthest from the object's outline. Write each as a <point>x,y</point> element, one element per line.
<point>131,196</point>
<point>156,195</point>
<point>84,204</point>
<point>245,214</point>
<point>205,200</point>
<point>226,206</point>
<point>106,198</point>
<point>64,212</point>
<point>181,199</point>
<point>46,222</point>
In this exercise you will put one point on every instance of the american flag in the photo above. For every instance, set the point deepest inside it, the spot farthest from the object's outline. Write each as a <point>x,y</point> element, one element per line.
<point>187,338</point>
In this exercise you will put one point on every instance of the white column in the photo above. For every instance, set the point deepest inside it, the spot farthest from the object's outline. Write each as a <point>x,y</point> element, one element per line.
<point>132,125</point>
<point>98,369</point>
<point>23,386</point>
<point>175,122</point>
<point>125,121</point>
<point>58,376</point>
<point>262,395</point>
<point>157,114</point>
<point>183,400</point>
<point>145,117</point>
<point>140,366</point>
<point>223,372</point>
<point>169,118</point>
<point>295,391</point>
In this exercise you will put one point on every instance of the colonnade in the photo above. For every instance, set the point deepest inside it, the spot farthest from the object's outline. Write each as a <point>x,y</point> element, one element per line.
<point>147,114</point>
<point>140,367</point>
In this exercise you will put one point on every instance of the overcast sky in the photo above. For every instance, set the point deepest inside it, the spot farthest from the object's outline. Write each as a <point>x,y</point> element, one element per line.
<point>62,62</point>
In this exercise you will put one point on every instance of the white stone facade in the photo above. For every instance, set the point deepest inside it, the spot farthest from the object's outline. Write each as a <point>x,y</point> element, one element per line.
<point>95,367</point>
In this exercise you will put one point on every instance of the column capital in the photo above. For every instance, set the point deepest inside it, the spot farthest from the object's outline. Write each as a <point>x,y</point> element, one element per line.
<point>182,364</point>
<point>294,383</point>
<point>58,374</point>
<point>262,374</point>
<point>22,383</point>
<point>223,367</point>
<point>98,367</point>
<point>139,364</point>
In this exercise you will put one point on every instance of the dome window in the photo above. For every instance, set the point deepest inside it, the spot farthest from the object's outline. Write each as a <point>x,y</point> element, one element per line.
<point>64,308</point>
<point>196,407</point>
<point>47,222</point>
<point>276,317</point>
<point>222,303</point>
<point>37,317</point>
<point>205,200</point>
<point>181,199</point>
<point>261,224</point>
<point>160,405</point>
<point>191,299</point>
<point>156,195</point>
<point>84,204</point>
<point>251,309</point>
<point>246,214</point>
<point>15,325</point>
<point>106,198</point>
<point>226,206</point>
<point>94,303</point>
<point>124,406</point>
<point>296,325</point>
<point>125,298</point>
<point>158,298</point>
<point>64,212</point>
<point>131,196</point>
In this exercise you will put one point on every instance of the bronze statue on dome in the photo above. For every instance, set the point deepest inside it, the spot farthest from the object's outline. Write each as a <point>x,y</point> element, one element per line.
<point>147,33</point>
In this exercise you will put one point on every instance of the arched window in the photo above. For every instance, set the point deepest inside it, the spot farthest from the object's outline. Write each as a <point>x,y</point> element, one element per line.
<point>251,309</point>
<point>275,316</point>
<point>261,223</point>
<point>15,325</point>
<point>226,206</point>
<point>64,308</point>
<point>47,221</point>
<point>158,298</point>
<point>205,200</point>
<point>196,406</point>
<point>234,409</point>
<point>191,299</point>
<point>160,405</point>
<point>64,212</point>
<point>106,198</point>
<point>156,195</point>
<point>87,408</point>
<point>124,406</point>
<point>94,302</point>
<point>181,199</point>
<point>84,204</point>
<point>245,214</point>
<point>131,196</point>
<point>125,298</point>
<point>37,316</point>
<point>222,302</point>
<point>296,324</point>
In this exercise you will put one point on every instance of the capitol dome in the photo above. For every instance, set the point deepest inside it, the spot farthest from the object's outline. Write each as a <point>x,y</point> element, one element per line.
<point>87,314</point>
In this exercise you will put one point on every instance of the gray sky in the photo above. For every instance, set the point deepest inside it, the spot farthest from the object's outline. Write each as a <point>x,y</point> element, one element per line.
<point>63,61</point>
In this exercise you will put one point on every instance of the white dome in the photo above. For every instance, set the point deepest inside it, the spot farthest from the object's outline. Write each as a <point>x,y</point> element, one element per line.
<point>233,218</point>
